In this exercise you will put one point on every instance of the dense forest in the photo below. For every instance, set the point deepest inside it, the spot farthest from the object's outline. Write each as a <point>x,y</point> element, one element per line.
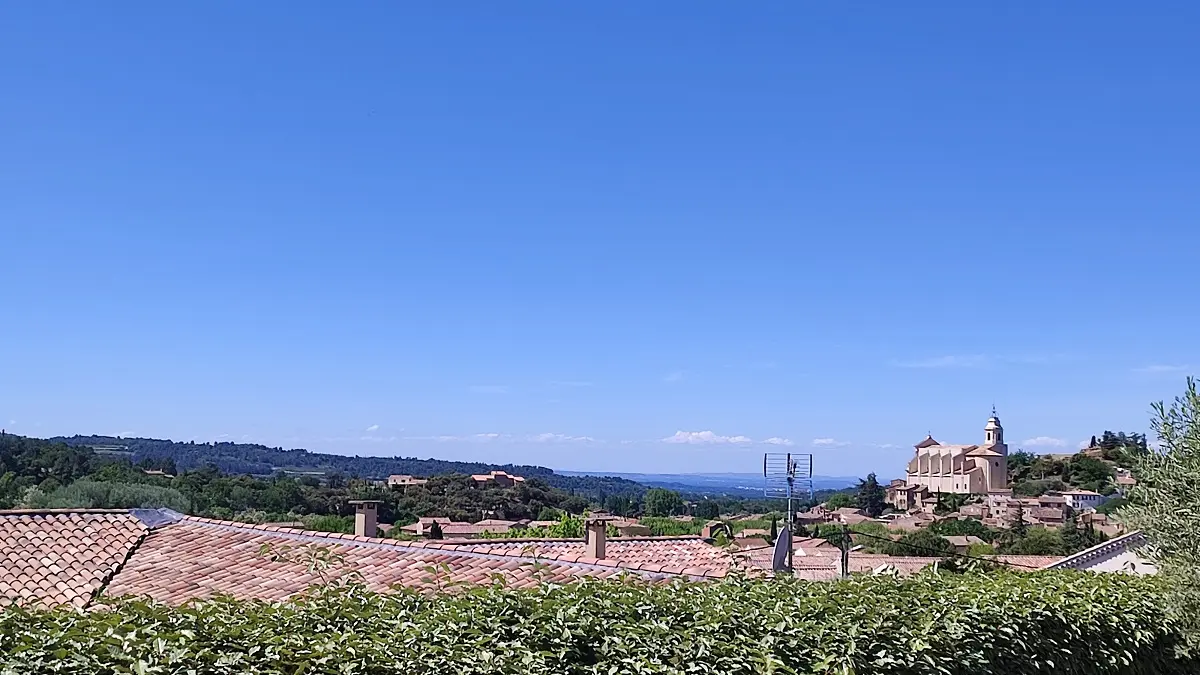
<point>260,460</point>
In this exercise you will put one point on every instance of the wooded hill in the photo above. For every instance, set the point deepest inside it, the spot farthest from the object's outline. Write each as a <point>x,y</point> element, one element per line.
<point>260,460</point>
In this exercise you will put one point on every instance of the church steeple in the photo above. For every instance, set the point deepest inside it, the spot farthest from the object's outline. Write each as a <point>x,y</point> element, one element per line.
<point>993,433</point>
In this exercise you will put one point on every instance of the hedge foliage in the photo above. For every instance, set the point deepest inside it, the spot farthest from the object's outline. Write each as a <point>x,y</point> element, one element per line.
<point>1065,622</point>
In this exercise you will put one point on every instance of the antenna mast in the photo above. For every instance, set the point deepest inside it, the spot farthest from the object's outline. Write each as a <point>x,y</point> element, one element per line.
<point>783,474</point>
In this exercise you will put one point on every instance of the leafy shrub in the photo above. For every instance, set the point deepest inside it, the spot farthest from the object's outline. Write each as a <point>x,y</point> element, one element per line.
<point>950,624</point>
<point>343,524</point>
<point>669,527</point>
<point>963,527</point>
<point>88,494</point>
<point>921,543</point>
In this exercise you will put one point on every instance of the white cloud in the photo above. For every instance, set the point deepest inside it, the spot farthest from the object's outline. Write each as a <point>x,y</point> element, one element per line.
<point>450,438</point>
<point>1045,441</point>
<point>488,389</point>
<point>776,440</point>
<point>559,438</point>
<point>676,376</point>
<point>829,443</point>
<point>887,446</point>
<point>1162,369</point>
<point>373,427</point>
<point>949,361</point>
<point>12,423</point>
<point>705,438</point>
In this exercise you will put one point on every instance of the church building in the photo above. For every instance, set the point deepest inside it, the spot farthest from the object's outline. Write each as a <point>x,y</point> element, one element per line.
<point>962,469</point>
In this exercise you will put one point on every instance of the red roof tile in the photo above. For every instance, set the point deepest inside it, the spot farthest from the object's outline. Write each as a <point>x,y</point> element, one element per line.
<point>691,552</point>
<point>52,558</point>
<point>199,558</point>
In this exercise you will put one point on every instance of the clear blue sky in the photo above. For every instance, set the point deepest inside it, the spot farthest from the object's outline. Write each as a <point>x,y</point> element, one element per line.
<point>545,232</point>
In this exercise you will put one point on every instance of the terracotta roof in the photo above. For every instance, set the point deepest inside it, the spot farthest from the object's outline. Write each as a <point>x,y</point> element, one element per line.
<point>55,558</point>
<point>1025,562</point>
<point>681,552</point>
<point>463,529</point>
<point>1089,556</point>
<point>959,540</point>
<point>66,558</point>
<point>497,521</point>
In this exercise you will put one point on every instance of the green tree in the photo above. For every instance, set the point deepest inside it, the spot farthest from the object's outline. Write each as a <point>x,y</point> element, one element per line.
<point>841,500</point>
<point>1038,541</point>
<point>978,550</point>
<point>949,502</point>
<point>871,497</point>
<point>549,513</point>
<point>1112,506</point>
<point>1165,505</point>
<point>962,527</point>
<point>618,505</point>
<point>921,543</point>
<point>1019,527</point>
<point>706,509</point>
<point>662,502</point>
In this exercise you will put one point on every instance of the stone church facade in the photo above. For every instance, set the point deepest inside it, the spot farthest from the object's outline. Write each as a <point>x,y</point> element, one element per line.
<point>962,469</point>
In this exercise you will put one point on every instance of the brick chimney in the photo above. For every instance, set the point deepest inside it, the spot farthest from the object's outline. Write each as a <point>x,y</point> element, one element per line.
<point>595,533</point>
<point>366,517</point>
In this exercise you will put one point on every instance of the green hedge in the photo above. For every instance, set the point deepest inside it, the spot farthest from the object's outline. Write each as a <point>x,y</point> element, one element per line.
<point>1001,623</point>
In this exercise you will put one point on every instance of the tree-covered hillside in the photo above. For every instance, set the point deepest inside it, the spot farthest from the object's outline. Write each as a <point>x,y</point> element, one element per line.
<point>260,460</point>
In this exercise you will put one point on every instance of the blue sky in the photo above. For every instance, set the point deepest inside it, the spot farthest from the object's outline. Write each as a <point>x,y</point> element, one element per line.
<point>644,237</point>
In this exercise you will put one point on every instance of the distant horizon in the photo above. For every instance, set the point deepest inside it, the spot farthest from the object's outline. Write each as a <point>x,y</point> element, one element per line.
<point>883,475</point>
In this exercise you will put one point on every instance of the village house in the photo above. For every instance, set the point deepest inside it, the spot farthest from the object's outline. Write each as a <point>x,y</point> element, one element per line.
<point>963,543</point>
<point>501,478</point>
<point>404,480</point>
<point>421,527</point>
<point>1124,481</point>
<point>962,469</point>
<point>1083,499</point>
<point>905,497</point>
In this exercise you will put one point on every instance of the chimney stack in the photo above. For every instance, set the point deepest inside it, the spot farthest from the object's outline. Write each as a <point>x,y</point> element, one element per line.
<point>595,533</point>
<point>366,517</point>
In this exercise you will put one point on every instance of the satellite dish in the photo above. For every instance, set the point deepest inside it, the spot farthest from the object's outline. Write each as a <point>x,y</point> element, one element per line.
<point>779,559</point>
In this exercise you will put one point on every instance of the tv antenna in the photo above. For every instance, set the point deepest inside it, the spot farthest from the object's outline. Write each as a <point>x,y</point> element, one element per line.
<point>784,474</point>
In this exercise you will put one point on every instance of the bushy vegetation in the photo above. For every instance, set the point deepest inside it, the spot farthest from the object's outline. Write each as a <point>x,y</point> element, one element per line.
<point>669,527</point>
<point>947,624</point>
<point>108,495</point>
<point>1165,505</point>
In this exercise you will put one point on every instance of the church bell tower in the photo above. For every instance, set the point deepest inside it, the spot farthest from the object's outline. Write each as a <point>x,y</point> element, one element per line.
<point>993,433</point>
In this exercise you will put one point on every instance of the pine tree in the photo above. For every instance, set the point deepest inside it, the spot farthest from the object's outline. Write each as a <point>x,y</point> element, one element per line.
<point>871,496</point>
<point>1019,528</point>
<point>1074,539</point>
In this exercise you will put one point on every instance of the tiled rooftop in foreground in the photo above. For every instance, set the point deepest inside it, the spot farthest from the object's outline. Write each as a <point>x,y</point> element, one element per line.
<point>73,557</point>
